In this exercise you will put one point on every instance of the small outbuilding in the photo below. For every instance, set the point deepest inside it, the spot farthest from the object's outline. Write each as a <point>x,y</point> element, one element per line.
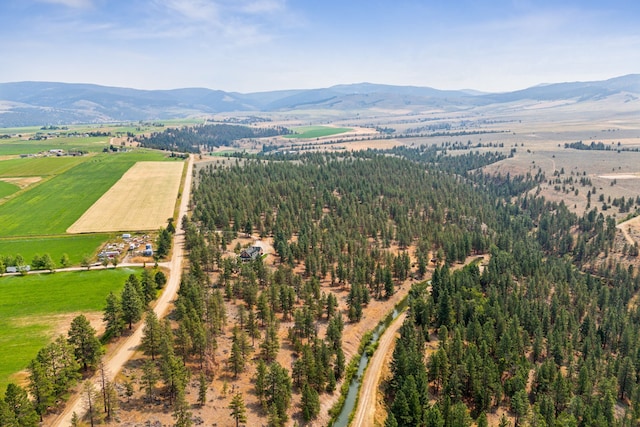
<point>148,250</point>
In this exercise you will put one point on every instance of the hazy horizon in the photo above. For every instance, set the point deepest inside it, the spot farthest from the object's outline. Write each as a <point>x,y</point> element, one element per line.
<point>250,46</point>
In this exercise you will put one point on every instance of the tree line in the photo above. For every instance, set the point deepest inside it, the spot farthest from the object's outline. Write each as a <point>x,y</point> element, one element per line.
<point>200,138</point>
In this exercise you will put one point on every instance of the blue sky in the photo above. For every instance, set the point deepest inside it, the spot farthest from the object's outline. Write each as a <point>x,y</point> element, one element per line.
<point>260,45</point>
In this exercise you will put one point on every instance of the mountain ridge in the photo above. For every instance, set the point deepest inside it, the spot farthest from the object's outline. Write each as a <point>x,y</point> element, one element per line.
<point>39,103</point>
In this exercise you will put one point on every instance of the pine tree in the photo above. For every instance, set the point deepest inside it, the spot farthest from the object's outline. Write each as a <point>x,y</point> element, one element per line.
<point>278,391</point>
<point>131,304</point>
<point>86,345</point>
<point>271,345</point>
<point>252,327</point>
<point>20,406</point>
<point>238,410</point>
<point>236,359</point>
<point>391,420</point>
<point>89,395</point>
<point>260,380</point>
<point>181,412</point>
<point>149,379</point>
<point>151,335</point>
<point>202,389</point>
<point>149,287</point>
<point>113,316</point>
<point>41,387</point>
<point>310,403</point>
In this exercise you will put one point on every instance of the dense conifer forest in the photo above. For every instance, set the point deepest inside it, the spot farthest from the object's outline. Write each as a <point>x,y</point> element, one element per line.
<point>544,331</point>
<point>195,139</point>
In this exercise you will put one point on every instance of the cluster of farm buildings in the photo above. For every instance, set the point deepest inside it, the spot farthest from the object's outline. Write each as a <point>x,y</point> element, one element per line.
<point>55,152</point>
<point>135,245</point>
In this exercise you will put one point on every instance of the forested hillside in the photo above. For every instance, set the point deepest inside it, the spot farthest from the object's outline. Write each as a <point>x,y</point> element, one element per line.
<point>531,336</point>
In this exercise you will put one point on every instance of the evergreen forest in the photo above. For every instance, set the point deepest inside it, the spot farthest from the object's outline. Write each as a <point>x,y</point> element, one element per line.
<point>545,333</point>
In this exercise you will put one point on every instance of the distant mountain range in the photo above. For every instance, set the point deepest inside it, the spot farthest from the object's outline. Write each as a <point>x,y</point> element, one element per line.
<point>45,103</point>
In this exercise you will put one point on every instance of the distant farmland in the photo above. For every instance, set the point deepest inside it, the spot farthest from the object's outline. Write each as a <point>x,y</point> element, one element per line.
<point>307,132</point>
<point>40,166</point>
<point>142,199</point>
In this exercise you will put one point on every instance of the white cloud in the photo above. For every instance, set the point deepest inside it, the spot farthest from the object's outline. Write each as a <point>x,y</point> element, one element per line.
<point>196,10</point>
<point>263,6</point>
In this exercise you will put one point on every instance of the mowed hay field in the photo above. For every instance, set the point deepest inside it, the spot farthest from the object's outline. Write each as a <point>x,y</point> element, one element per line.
<point>54,204</point>
<point>143,199</point>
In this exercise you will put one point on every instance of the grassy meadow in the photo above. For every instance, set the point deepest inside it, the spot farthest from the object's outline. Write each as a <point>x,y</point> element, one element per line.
<point>16,146</point>
<point>52,206</point>
<point>306,132</point>
<point>7,189</point>
<point>38,166</point>
<point>75,246</point>
<point>33,306</point>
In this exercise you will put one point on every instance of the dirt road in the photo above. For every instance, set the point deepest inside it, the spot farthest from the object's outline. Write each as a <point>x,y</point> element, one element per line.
<point>367,401</point>
<point>627,226</point>
<point>125,349</point>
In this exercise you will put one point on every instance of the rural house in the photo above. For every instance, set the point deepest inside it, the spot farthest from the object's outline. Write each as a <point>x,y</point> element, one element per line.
<point>250,254</point>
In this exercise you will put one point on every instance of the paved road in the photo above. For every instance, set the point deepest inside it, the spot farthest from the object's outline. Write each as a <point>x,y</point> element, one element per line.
<point>126,348</point>
<point>368,390</point>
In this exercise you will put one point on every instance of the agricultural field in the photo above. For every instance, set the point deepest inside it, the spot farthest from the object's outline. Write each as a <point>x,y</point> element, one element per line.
<point>307,132</point>
<point>54,205</point>
<point>16,146</point>
<point>76,247</point>
<point>35,308</point>
<point>142,199</point>
<point>7,189</point>
<point>37,166</point>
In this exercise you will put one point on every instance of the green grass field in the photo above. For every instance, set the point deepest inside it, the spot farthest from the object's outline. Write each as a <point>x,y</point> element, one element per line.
<point>75,246</point>
<point>7,189</point>
<point>52,206</point>
<point>31,306</point>
<point>15,146</point>
<point>305,132</point>
<point>20,130</point>
<point>38,166</point>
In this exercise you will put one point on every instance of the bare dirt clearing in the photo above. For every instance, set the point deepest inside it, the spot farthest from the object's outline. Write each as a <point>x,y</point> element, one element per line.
<point>23,182</point>
<point>142,199</point>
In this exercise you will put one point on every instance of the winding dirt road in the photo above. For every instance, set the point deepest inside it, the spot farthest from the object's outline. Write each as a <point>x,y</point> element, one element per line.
<point>368,389</point>
<point>126,348</point>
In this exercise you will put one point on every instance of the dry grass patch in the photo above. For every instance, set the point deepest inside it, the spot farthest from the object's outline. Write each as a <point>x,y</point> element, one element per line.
<point>142,199</point>
<point>22,182</point>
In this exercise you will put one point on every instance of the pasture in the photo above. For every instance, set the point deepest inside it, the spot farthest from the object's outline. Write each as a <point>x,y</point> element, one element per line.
<point>16,146</point>
<point>142,199</point>
<point>7,189</point>
<point>307,132</point>
<point>38,166</point>
<point>76,247</point>
<point>53,206</point>
<point>33,308</point>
